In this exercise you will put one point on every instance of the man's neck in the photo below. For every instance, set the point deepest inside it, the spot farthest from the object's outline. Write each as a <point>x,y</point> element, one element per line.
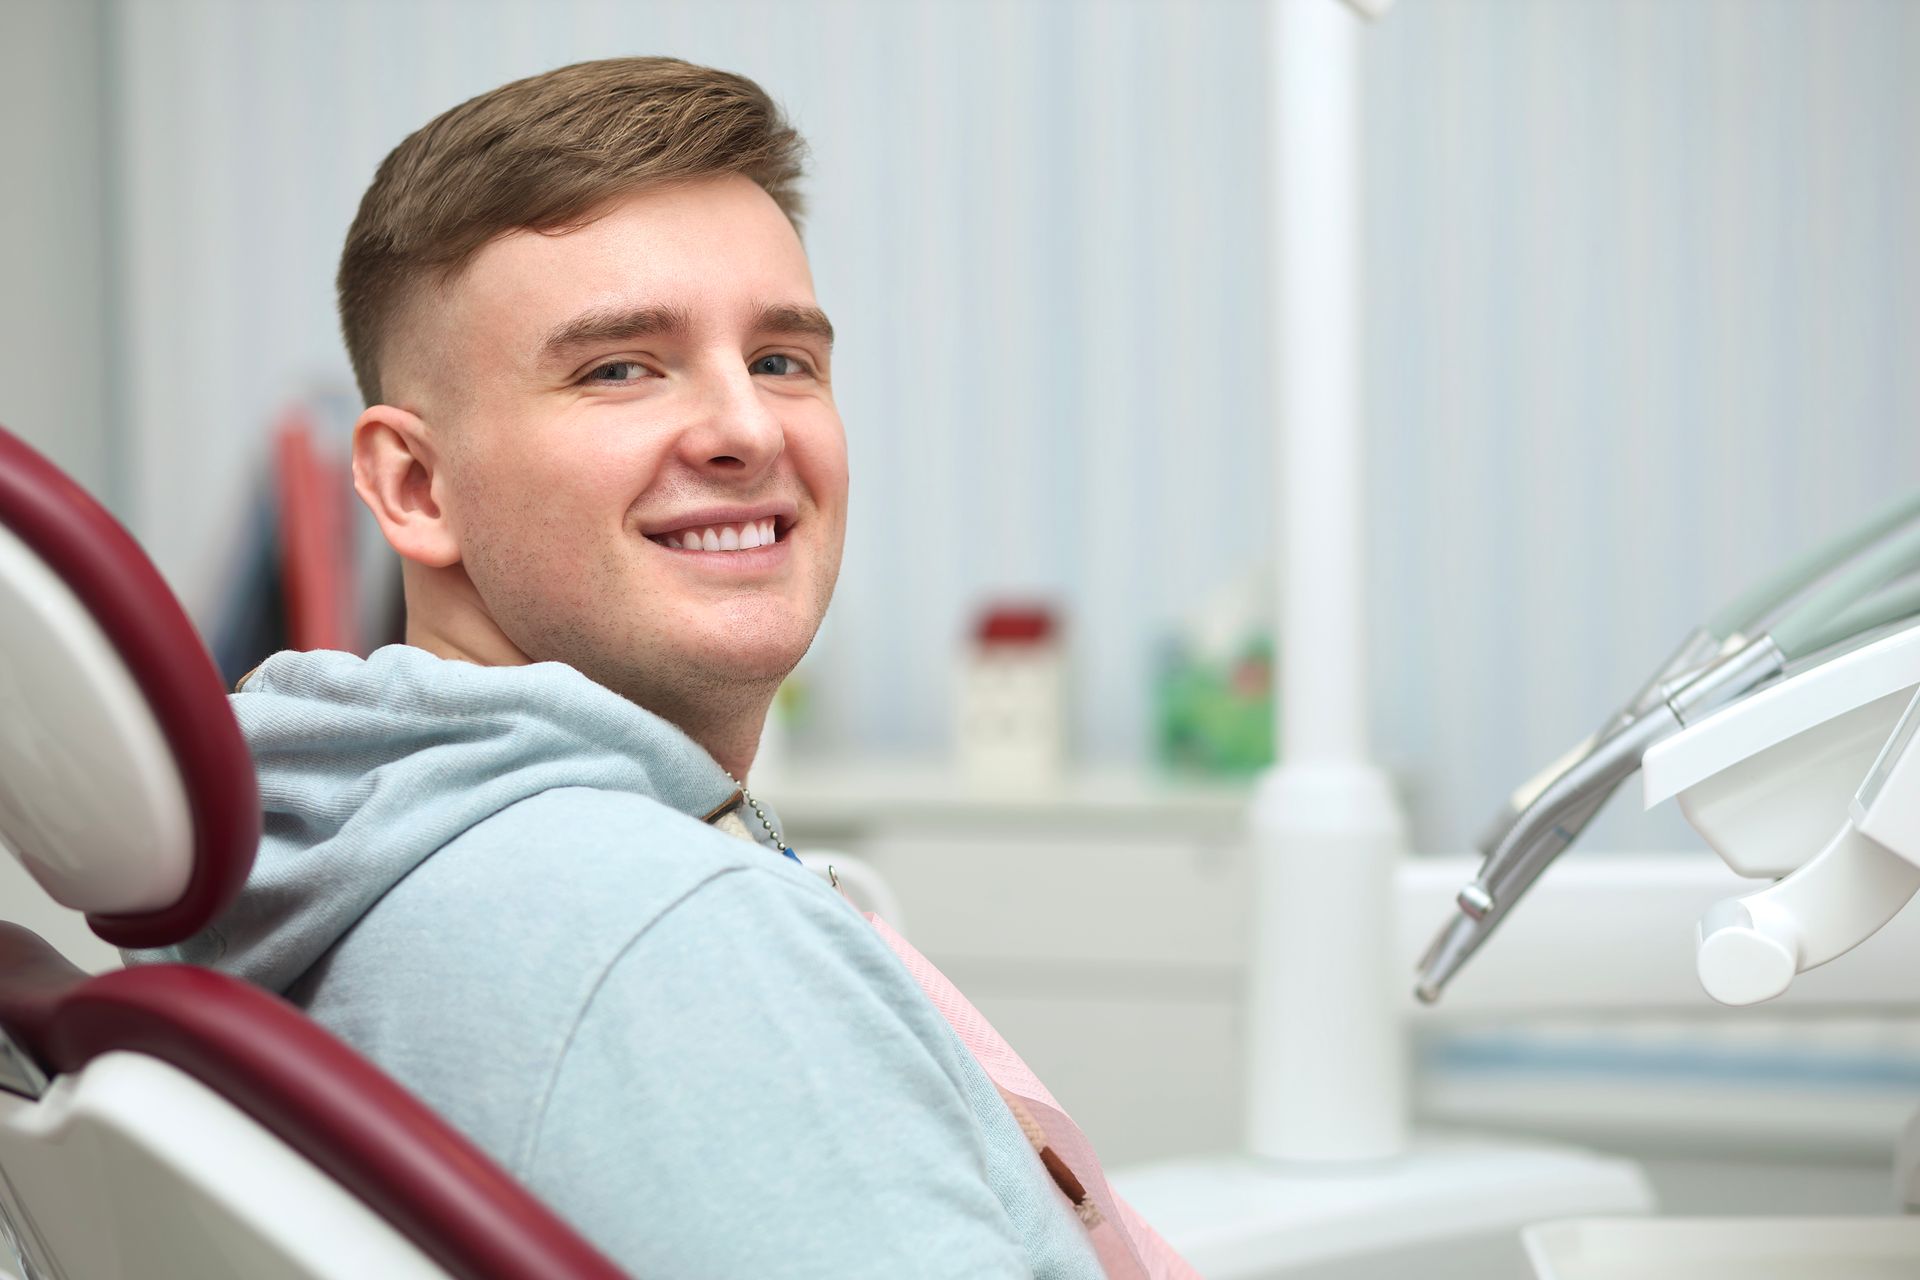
<point>445,617</point>
<point>732,741</point>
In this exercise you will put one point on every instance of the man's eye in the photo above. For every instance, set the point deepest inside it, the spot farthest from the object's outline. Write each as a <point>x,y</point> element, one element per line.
<point>618,371</point>
<point>778,366</point>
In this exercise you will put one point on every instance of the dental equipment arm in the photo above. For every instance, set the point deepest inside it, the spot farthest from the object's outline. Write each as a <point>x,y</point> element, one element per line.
<point>1747,614</point>
<point>1553,818</point>
<point>1896,604</point>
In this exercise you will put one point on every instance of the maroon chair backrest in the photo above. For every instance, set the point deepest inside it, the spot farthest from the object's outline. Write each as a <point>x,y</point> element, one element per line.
<point>255,1050</point>
<point>133,609</point>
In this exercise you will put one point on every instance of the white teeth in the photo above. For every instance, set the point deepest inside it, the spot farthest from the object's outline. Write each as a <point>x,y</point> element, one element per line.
<point>724,537</point>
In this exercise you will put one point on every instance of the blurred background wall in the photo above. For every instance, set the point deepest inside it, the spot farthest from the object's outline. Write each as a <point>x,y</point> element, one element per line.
<point>1640,313</point>
<point>58,362</point>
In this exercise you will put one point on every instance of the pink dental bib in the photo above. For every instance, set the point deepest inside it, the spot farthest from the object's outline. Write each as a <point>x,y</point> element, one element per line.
<point>1127,1247</point>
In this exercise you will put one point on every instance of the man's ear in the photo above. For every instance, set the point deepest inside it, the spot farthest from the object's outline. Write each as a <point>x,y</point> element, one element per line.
<point>397,474</point>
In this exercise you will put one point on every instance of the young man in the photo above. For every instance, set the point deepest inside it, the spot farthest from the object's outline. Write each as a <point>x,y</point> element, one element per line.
<point>510,860</point>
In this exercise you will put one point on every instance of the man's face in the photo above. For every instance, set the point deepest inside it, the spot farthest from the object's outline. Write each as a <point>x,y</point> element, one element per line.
<point>627,412</point>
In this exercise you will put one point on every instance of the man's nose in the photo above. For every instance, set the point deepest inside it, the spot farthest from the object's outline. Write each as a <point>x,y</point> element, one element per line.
<point>736,430</point>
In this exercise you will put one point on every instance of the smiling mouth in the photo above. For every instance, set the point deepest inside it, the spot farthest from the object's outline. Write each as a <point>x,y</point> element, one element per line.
<point>726,537</point>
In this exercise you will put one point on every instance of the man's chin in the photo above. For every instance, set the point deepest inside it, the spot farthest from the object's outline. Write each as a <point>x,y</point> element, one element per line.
<point>739,655</point>
<point>769,665</point>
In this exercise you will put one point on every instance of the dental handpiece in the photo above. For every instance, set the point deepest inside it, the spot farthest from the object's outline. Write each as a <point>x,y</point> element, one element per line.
<point>1532,832</point>
<point>1701,647</point>
<point>1549,825</point>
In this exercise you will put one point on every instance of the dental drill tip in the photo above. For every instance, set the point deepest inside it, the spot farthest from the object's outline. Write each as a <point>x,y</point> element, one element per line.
<point>1425,961</point>
<point>1475,901</point>
<point>1460,939</point>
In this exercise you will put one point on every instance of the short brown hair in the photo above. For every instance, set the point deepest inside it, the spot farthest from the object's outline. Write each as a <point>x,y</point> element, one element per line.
<point>545,153</point>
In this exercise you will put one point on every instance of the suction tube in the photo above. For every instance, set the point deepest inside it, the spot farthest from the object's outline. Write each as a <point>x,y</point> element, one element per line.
<point>1804,631</point>
<point>1898,603</point>
<point>1746,611</point>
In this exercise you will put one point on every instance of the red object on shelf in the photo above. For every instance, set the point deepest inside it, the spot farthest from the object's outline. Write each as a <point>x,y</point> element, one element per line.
<point>315,552</point>
<point>1016,624</point>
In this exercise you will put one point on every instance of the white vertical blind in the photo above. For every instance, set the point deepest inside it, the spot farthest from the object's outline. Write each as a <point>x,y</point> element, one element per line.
<point>1640,314</point>
<point>1643,316</point>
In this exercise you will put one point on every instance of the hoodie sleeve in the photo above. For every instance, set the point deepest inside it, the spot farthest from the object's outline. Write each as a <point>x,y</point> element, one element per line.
<point>751,1091</point>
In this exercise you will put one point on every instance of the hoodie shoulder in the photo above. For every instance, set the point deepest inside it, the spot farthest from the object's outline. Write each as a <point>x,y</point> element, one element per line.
<point>485,954</point>
<point>370,768</point>
<point>579,866</point>
<point>590,857</point>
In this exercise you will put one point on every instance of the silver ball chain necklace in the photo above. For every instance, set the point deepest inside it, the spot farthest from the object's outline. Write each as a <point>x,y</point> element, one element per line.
<point>761,814</point>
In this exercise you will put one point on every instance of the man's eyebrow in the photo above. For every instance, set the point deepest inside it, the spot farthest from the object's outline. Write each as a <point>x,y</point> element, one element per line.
<point>617,324</point>
<point>614,324</point>
<point>787,318</point>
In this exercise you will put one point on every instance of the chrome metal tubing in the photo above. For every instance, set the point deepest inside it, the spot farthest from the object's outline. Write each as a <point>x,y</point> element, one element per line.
<point>1463,934</point>
<point>1535,841</point>
<point>1519,859</point>
<point>1700,650</point>
<point>1692,656</point>
<point>1550,824</point>
<point>1458,939</point>
<point>1728,680</point>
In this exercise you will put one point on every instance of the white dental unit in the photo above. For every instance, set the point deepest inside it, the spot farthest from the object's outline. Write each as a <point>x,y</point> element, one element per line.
<point>1809,786</point>
<point>1814,784</point>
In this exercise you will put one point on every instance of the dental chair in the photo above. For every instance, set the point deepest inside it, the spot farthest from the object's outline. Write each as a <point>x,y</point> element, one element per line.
<point>168,1121</point>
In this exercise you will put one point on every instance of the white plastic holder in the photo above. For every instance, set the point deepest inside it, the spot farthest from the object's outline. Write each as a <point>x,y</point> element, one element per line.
<point>1327,1053</point>
<point>1779,774</point>
<point>1751,948</point>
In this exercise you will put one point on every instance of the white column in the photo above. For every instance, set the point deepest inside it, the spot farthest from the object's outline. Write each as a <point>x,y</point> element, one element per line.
<point>1326,1058</point>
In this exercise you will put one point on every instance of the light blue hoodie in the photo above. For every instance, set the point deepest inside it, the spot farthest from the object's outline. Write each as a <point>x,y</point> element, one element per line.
<point>496,883</point>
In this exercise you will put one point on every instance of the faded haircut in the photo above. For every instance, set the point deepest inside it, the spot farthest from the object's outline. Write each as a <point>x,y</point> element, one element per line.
<point>545,154</point>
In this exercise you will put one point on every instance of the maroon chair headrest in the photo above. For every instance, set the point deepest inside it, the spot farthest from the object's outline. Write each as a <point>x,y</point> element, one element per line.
<point>310,1090</point>
<point>135,610</point>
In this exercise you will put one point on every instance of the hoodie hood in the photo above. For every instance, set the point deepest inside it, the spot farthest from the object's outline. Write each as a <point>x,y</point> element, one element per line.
<point>367,766</point>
